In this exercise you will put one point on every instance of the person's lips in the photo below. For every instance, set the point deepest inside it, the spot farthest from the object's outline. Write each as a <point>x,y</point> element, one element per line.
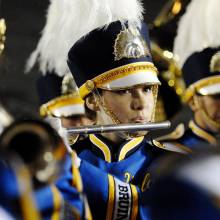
<point>139,119</point>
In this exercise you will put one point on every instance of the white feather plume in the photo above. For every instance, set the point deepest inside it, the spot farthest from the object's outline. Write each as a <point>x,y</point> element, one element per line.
<point>69,20</point>
<point>198,28</point>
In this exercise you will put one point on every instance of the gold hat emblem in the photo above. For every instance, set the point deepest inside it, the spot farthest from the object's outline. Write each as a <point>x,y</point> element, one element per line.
<point>215,62</point>
<point>130,44</point>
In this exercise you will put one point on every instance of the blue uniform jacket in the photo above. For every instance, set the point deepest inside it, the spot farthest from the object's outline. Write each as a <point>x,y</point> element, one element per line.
<point>114,177</point>
<point>194,138</point>
<point>45,203</point>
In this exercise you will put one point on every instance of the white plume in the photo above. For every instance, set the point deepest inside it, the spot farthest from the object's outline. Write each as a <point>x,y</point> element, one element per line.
<point>198,28</point>
<point>69,20</point>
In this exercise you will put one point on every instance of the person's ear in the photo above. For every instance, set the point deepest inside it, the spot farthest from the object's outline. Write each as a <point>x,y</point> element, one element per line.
<point>91,103</point>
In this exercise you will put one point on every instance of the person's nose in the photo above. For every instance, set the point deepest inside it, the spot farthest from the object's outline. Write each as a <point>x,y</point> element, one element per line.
<point>139,101</point>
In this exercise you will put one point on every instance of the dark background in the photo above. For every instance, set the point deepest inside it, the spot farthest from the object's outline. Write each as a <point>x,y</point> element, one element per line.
<point>25,20</point>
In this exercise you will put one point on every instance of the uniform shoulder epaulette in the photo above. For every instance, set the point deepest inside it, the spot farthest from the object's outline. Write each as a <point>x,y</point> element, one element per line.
<point>171,146</point>
<point>158,144</point>
<point>177,133</point>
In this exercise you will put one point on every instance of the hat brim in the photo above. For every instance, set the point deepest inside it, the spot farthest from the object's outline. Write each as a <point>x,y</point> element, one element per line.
<point>63,106</point>
<point>123,77</point>
<point>205,86</point>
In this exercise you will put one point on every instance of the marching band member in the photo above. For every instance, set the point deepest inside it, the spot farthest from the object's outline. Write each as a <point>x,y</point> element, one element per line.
<point>112,66</point>
<point>32,158</point>
<point>197,45</point>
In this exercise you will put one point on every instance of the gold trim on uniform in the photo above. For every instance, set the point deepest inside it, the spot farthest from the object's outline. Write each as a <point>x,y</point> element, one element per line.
<point>102,146</point>
<point>59,152</point>
<point>134,210</point>
<point>64,100</point>
<point>182,147</point>
<point>57,201</point>
<point>128,177</point>
<point>111,197</point>
<point>201,133</point>
<point>88,214</point>
<point>117,73</point>
<point>28,207</point>
<point>164,146</point>
<point>146,182</point>
<point>76,181</point>
<point>129,146</point>
<point>158,144</point>
<point>195,87</point>
<point>177,133</point>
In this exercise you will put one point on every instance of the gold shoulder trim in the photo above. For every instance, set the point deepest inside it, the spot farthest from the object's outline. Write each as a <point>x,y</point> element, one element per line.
<point>158,144</point>
<point>177,133</point>
<point>172,146</point>
<point>201,133</point>
<point>181,148</point>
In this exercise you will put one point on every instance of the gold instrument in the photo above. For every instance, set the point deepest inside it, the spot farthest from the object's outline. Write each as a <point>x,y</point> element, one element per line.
<point>38,146</point>
<point>172,73</point>
<point>168,12</point>
<point>165,60</point>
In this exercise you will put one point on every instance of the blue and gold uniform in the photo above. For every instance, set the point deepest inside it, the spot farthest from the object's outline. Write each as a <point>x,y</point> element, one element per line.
<point>201,74</point>
<point>20,199</point>
<point>16,192</point>
<point>28,175</point>
<point>71,188</point>
<point>194,137</point>
<point>114,58</point>
<point>115,179</point>
<point>199,60</point>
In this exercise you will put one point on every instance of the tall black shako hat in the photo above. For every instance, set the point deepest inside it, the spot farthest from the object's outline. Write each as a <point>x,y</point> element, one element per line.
<point>201,73</point>
<point>59,96</point>
<point>113,57</point>
<point>198,53</point>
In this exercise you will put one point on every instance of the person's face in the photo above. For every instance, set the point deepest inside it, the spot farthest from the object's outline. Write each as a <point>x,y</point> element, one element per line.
<point>75,121</point>
<point>212,107</point>
<point>134,105</point>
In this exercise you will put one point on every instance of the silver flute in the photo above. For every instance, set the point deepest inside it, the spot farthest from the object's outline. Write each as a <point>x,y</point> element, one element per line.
<point>96,129</point>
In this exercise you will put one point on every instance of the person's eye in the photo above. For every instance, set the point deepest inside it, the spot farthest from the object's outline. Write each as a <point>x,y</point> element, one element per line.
<point>147,89</point>
<point>124,91</point>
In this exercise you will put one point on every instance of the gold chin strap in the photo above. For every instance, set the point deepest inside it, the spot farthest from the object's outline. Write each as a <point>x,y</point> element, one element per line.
<point>155,93</point>
<point>107,111</point>
<point>115,119</point>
